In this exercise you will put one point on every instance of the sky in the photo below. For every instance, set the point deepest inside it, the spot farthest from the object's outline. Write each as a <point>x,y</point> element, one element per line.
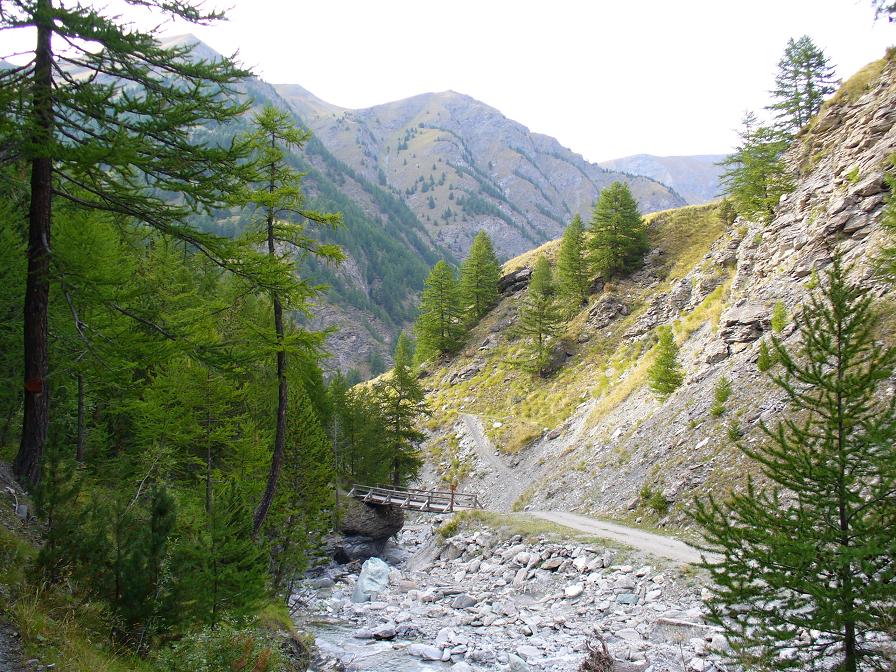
<point>607,79</point>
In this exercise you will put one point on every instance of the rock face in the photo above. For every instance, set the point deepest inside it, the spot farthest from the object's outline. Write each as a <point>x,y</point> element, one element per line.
<point>515,281</point>
<point>744,324</point>
<point>377,523</point>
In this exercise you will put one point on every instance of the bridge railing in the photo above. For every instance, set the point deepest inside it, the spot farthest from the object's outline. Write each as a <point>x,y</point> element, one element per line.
<point>415,498</point>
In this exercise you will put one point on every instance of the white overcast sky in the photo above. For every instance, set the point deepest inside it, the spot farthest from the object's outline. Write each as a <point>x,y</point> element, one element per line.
<point>607,79</point>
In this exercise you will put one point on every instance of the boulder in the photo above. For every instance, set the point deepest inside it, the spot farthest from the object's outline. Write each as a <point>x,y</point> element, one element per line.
<point>744,324</point>
<point>375,522</point>
<point>513,282</point>
<point>605,310</point>
<point>356,547</point>
<point>372,581</point>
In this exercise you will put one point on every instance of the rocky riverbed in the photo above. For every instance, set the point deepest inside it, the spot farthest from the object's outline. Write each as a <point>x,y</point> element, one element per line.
<point>487,599</point>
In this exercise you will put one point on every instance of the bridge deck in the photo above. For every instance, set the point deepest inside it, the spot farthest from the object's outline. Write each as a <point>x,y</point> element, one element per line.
<point>430,501</point>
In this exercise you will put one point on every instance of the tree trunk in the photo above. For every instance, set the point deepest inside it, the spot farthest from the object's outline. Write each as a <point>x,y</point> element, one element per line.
<point>36,416</point>
<point>282,394</point>
<point>79,448</point>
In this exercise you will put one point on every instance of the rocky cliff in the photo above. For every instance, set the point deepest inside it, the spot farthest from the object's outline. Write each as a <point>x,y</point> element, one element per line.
<point>592,438</point>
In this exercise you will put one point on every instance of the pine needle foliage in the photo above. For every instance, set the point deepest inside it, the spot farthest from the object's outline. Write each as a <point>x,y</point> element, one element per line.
<point>479,275</point>
<point>619,236</point>
<point>807,562</point>
<point>540,320</point>
<point>805,77</point>
<point>573,277</point>
<point>721,394</point>
<point>665,375</point>
<point>440,325</point>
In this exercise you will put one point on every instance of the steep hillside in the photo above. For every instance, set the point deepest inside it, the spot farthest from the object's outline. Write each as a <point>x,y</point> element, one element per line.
<point>696,178</point>
<point>592,438</point>
<point>462,166</point>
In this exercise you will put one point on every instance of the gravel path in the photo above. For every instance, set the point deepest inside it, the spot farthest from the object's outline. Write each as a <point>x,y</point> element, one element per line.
<point>10,650</point>
<point>655,544</point>
<point>503,486</point>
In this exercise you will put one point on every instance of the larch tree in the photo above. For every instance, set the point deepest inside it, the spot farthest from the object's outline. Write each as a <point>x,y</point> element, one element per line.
<point>104,117</point>
<point>619,237</point>
<point>274,190</point>
<point>573,278</point>
<point>808,562</point>
<point>440,325</point>
<point>664,374</point>
<point>479,275</point>
<point>540,319</point>
<point>403,404</point>
<point>755,177</point>
<point>804,79</point>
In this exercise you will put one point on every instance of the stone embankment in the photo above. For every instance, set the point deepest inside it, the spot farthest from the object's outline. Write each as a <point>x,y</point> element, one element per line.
<point>483,600</point>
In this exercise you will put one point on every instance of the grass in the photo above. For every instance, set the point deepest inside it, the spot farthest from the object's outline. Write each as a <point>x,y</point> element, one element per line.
<point>708,310</point>
<point>684,235</point>
<point>853,88</point>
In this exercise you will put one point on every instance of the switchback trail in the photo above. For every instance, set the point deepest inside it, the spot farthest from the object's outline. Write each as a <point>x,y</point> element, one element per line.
<point>654,544</point>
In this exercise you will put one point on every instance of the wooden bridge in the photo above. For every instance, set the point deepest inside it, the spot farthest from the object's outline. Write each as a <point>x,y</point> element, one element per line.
<point>429,501</point>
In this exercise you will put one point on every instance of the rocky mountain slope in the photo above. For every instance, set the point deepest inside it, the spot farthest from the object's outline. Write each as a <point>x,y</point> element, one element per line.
<point>462,166</point>
<point>592,438</point>
<point>696,178</point>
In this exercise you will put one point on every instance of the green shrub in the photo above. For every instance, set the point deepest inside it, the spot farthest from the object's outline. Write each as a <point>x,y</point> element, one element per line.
<point>766,359</point>
<point>779,317</point>
<point>720,395</point>
<point>224,647</point>
<point>654,500</point>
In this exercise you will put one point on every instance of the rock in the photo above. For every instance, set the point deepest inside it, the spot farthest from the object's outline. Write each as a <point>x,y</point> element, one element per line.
<point>513,282</point>
<point>627,598</point>
<point>552,564</point>
<point>451,552</point>
<point>22,511</point>
<point>384,632</point>
<point>517,664</point>
<point>681,293</point>
<point>463,601</point>
<point>357,547</point>
<point>715,352</point>
<point>425,651</point>
<point>743,324</point>
<point>870,186</point>
<point>605,310</point>
<point>527,652</point>
<point>553,434</point>
<point>372,581</point>
<point>375,522</point>
<point>574,590</point>
<point>461,667</point>
<point>320,583</point>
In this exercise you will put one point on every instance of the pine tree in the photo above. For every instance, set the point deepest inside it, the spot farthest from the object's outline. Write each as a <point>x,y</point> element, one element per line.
<point>755,176</point>
<point>439,327</point>
<point>807,562</point>
<point>479,275</point>
<point>804,78</point>
<point>278,196</point>
<point>765,360</point>
<point>403,404</point>
<point>886,264</point>
<point>119,137</point>
<point>720,395</point>
<point>619,238</point>
<point>665,374</point>
<point>540,321</point>
<point>572,268</point>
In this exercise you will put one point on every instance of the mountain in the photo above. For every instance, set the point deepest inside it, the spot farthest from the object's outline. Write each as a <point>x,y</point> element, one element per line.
<point>592,438</point>
<point>462,166</point>
<point>696,178</point>
<point>415,180</point>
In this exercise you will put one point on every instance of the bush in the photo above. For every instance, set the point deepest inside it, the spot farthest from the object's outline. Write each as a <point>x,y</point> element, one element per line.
<point>654,500</point>
<point>224,647</point>
<point>779,318</point>
<point>720,395</point>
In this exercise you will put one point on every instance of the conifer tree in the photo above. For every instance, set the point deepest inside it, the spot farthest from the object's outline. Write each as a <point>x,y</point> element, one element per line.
<point>755,176</point>
<point>479,275</point>
<point>118,136</point>
<point>540,320</point>
<point>277,195</point>
<point>886,264</point>
<point>807,562</point>
<point>665,374</point>
<point>572,268</point>
<point>619,238</point>
<point>403,403</point>
<point>804,78</point>
<point>439,327</point>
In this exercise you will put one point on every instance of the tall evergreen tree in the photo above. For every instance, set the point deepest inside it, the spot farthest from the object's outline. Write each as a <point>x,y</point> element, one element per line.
<point>814,551</point>
<point>117,137</point>
<point>403,403</point>
<point>619,237</point>
<point>665,374</point>
<point>277,195</point>
<point>755,177</point>
<point>804,78</point>
<point>540,319</point>
<point>572,268</point>
<point>440,326</point>
<point>887,261</point>
<point>479,275</point>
